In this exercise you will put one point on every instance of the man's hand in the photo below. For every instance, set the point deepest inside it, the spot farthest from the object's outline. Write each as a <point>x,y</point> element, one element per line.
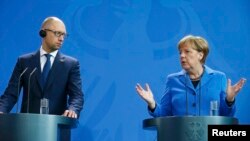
<point>70,113</point>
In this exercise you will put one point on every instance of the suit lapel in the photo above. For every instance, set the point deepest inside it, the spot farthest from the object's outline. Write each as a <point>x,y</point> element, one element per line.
<point>36,64</point>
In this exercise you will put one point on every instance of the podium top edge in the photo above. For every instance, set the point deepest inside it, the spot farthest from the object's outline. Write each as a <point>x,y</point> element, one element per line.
<point>186,117</point>
<point>158,121</point>
<point>40,117</point>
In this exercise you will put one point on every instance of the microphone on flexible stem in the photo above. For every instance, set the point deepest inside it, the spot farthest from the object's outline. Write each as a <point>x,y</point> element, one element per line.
<point>186,94</point>
<point>200,90</point>
<point>28,99</point>
<point>18,87</point>
<point>200,97</point>
<point>186,79</point>
<point>199,85</point>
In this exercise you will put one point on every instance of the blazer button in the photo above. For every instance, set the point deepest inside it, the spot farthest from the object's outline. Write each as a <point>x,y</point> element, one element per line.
<point>194,104</point>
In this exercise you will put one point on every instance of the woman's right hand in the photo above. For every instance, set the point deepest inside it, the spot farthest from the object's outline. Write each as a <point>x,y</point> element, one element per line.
<point>146,94</point>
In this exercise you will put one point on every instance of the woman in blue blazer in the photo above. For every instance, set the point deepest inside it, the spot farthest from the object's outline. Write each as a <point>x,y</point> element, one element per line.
<point>190,91</point>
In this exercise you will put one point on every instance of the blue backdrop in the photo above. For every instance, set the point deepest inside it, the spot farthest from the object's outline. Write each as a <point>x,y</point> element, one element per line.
<point>122,42</point>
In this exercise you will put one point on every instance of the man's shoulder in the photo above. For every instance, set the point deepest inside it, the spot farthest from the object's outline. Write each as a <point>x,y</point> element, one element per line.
<point>67,57</point>
<point>28,55</point>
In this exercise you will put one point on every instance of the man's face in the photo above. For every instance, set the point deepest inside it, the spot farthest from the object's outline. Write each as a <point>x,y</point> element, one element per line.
<point>55,34</point>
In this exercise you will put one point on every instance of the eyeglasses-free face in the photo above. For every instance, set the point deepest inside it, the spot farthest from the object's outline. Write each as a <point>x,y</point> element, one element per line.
<point>58,33</point>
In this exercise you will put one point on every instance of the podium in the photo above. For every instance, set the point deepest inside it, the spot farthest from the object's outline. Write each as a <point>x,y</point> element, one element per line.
<point>35,127</point>
<point>185,128</point>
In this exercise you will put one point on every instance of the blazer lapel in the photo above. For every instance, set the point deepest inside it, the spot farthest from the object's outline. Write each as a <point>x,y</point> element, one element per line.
<point>184,77</point>
<point>204,79</point>
<point>206,76</point>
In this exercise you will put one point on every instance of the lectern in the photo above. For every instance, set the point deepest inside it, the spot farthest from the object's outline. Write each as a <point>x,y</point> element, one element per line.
<point>35,127</point>
<point>185,128</point>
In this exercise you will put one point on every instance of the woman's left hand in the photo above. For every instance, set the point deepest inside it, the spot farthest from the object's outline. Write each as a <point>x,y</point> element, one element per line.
<point>232,91</point>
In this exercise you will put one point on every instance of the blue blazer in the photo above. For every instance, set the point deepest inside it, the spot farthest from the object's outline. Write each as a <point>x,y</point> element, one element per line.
<point>63,87</point>
<point>181,98</point>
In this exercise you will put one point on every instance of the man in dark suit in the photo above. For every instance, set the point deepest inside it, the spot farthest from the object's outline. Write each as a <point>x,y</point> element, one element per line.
<point>63,85</point>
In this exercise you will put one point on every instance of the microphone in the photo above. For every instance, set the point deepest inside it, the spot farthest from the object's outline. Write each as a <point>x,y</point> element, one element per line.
<point>186,94</point>
<point>199,83</point>
<point>18,87</point>
<point>200,97</point>
<point>186,88</point>
<point>28,101</point>
<point>199,87</point>
<point>200,90</point>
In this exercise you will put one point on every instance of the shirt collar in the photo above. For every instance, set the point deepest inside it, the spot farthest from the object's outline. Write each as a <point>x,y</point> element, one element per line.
<point>42,52</point>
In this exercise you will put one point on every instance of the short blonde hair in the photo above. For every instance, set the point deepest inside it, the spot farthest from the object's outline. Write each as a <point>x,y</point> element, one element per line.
<point>198,43</point>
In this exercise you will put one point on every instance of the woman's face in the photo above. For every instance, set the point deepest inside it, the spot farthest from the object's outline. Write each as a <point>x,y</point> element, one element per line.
<point>189,57</point>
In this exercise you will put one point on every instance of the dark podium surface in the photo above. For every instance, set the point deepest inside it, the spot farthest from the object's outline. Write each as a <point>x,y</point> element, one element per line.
<point>185,128</point>
<point>35,127</point>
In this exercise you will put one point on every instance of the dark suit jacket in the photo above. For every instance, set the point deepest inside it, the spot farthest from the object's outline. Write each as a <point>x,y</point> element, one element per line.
<point>63,87</point>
